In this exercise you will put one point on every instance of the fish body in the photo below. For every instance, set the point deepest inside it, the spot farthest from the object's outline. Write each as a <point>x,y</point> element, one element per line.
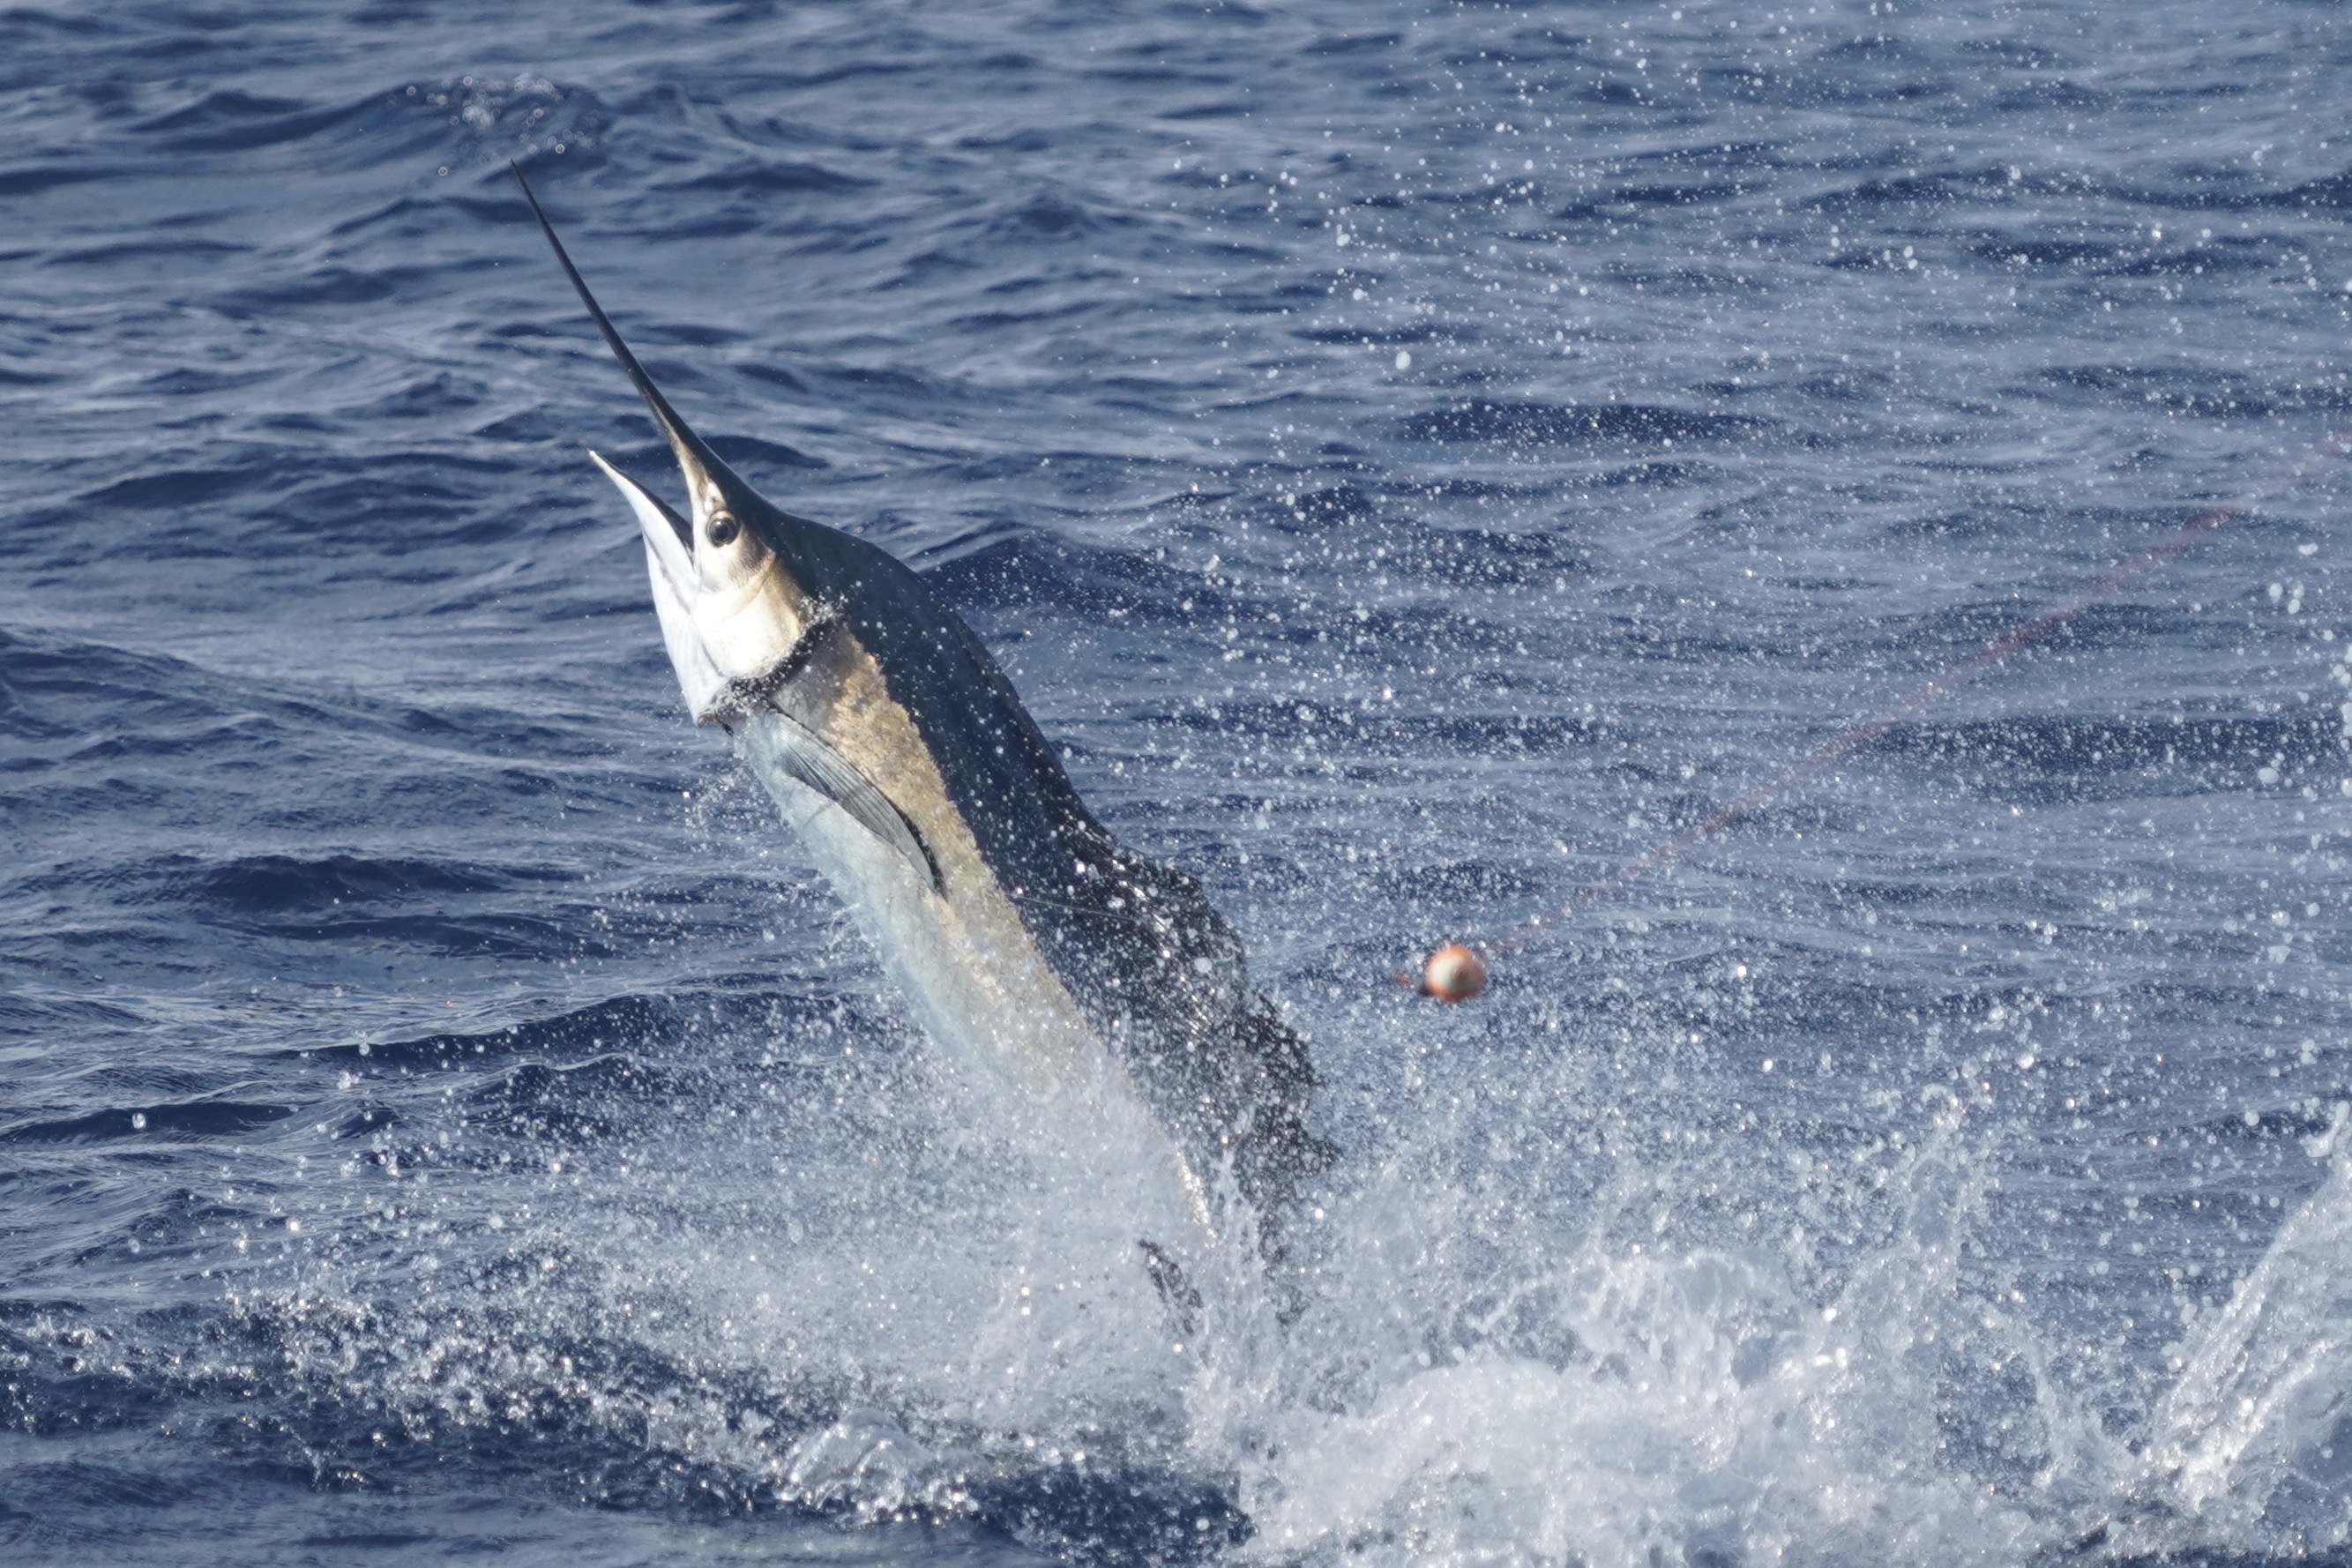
<point>1079,976</point>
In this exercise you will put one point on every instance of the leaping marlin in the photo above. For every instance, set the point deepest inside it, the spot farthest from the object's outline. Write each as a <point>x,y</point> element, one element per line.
<point>1026,937</point>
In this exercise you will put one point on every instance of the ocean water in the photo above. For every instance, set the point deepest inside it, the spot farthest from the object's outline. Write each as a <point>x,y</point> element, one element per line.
<point>1415,458</point>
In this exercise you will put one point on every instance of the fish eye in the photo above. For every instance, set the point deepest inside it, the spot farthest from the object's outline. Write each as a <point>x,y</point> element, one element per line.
<point>721,529</point>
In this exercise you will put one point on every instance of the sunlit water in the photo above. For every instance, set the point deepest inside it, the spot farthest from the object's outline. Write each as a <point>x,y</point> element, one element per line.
<point>1415,459</point>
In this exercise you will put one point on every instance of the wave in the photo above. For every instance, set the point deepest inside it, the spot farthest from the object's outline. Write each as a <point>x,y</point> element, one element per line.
<point>195,1119</point>
<point>1537,423</point>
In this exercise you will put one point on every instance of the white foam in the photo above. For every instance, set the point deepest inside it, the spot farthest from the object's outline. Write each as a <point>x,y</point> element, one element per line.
<point>1499,1360</point>
<point>2254,1445</point>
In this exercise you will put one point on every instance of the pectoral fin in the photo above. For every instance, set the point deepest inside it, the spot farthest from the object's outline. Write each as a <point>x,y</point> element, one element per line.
<point>806,757</point>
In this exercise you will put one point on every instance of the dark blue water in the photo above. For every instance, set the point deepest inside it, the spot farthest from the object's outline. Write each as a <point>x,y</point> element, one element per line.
<point>1415,459</point>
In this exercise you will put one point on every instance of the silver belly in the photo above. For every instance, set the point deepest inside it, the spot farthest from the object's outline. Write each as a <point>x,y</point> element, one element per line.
<point>1000,1016</point>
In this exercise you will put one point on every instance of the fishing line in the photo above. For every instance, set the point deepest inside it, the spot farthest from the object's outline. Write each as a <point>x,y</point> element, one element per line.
<point>1456,972</point>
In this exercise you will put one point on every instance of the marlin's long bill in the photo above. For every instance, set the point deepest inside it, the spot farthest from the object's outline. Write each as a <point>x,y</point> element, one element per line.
<point>1073,973</point>
<point>690,450</point>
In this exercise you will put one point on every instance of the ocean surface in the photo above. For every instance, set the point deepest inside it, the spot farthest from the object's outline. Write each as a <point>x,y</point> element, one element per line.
<point>1415,460</point>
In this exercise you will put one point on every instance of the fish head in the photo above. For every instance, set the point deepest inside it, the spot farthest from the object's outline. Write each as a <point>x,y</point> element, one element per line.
<point>720,571</point>
<point>731,608</point>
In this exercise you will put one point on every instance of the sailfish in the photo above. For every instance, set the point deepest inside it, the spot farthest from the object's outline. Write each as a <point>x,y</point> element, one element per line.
<point>1081,976</point>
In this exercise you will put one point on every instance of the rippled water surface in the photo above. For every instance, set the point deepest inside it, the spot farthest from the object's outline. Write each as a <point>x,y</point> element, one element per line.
<point>1415,459</point>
